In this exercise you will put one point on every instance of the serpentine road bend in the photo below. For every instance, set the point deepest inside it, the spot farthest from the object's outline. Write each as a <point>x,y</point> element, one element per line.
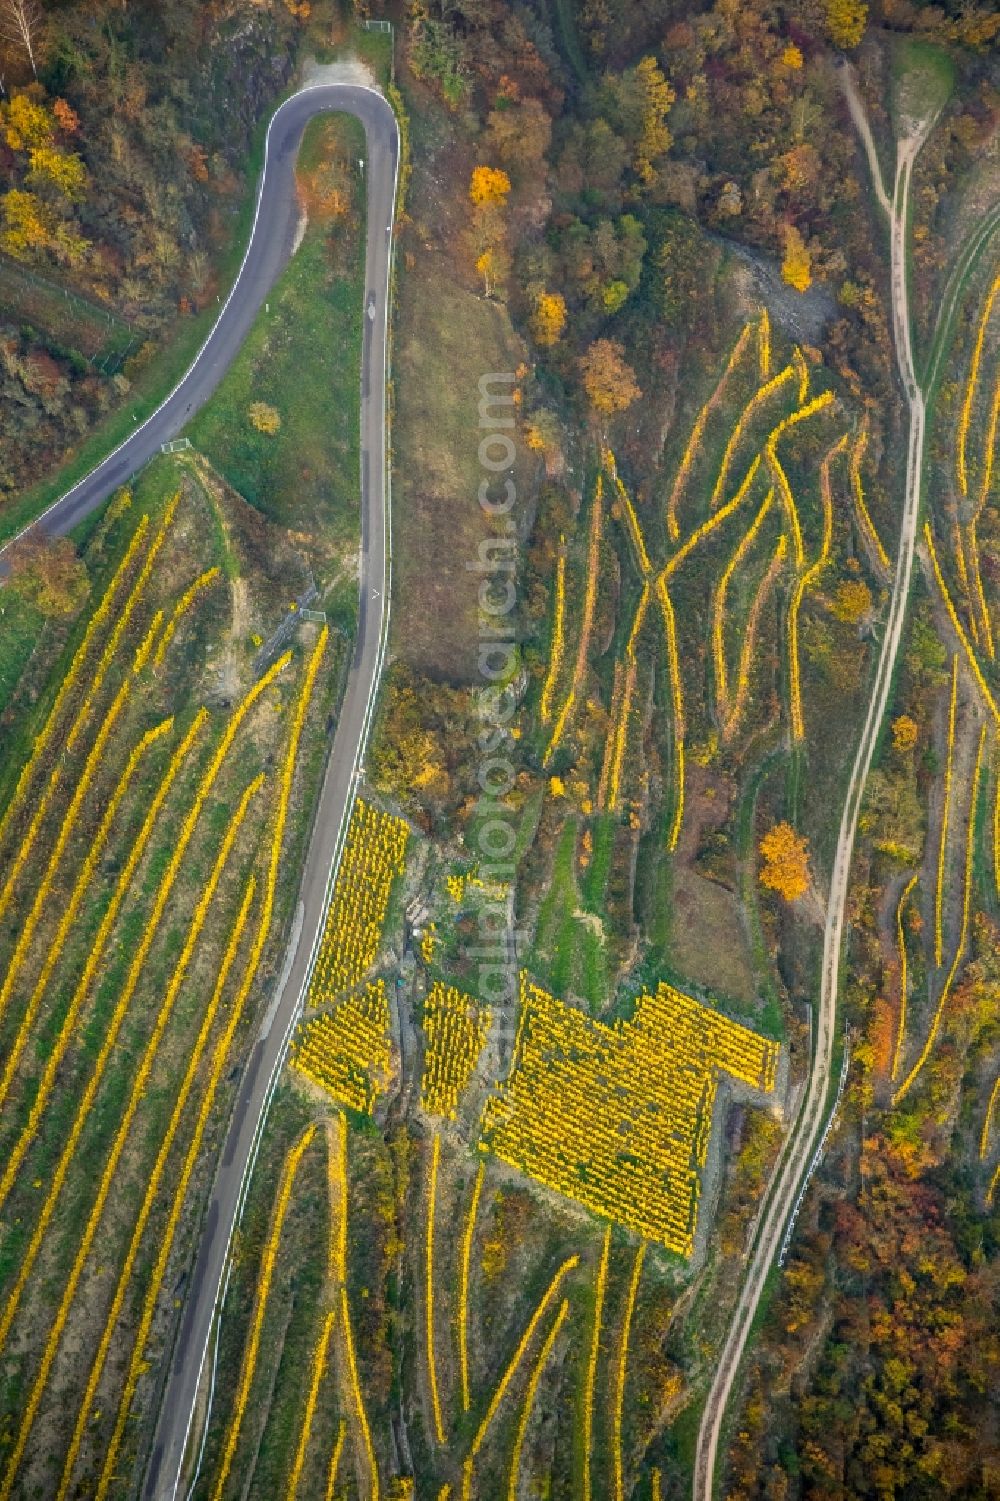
<point>801,1141</point>
<point>271,245</point>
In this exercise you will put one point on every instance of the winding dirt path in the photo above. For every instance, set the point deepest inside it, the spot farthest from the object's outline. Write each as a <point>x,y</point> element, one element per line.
<point>797,1153</point>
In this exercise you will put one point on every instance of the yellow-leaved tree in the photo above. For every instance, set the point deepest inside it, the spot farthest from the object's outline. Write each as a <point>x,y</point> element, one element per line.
<point>549,317</point>
<point>26,123</point>
<point>62,170</point>
<point>489,185</point>
<point>846,21</point>
<point>796,268</point>
<point>786,862</point>
<point>654,138</point>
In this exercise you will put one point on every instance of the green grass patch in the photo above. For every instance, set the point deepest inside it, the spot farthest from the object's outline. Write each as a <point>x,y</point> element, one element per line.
<point>569,951</point>
<point>20,623</point>
<point>923,77</point>
<point>302,358</point>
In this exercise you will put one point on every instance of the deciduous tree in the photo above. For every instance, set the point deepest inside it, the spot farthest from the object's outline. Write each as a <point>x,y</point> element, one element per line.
<point>549,317</point>
<point>796,267</point>
<point>489,186</point>
<point>47,571</point>
<point>846,21</point>
<point>786,862</point>
<point>22,28</point>
<point>608,380</point>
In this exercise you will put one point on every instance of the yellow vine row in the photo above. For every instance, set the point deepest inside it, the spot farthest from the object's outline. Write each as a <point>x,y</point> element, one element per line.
<point>996,813</point>
<point>750,638</point>
<point>595,1346</point>
<point>764,344</point>
<point>156,1176</point>
<point>54,867</point>
<point>511,1371</point>
<point>713,521</point>
<point>984,1136</point>
<point>633,1289</point>
<point>806,581</point>
<point>963,579</point>
<point>316,1376</point>
<point>990,445</point>
<point>860,505</point>
<point>337,1168</point>
<point>625,500</point>
<point>138,1091</point>
<point>962,936</point>
<point>264,1276</point>
<point>655,1492</point>
<point>72,673</point>
<point>956,626</point>
<point>358,1400</point>
<point>80,888</point>
<point>181,608</point>
<point>701,421</point>
<point>743,422</point>
<point>429,1289</point>
<point>625,709</point>
<point>337,1171</point>
<point>970,389</point>
<point>945,811</point>
<point>529,1398</point>
<point>122,623</point>
<point>136,1366</point>
<point>802,414</point>
<point>166,885</point>
<point>991,1191</point>
<point>83,713</point>
<point>719,603</point>
<point>611,739</point>
<point>978,593</point>
<point>589,599</point>
<point>558,636</point>
<point>123,888</point>
<point>677,694</point>
<point>338,1449</point>
<point>463,1290</point>
<point>336,1137</point>
<point>903,977</point>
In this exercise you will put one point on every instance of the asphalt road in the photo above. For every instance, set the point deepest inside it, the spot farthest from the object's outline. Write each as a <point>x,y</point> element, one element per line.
<point>269,250</point>
<point>797,1154</point>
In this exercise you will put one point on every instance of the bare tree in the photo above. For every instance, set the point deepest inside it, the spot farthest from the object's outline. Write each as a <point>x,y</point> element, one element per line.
<point>21,27</point>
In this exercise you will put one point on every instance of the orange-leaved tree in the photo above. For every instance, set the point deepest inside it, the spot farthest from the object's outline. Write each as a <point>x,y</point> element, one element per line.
<point>904,733</point>
<point>489,185</point>
<point>608,380</point>
<point>786,862</point>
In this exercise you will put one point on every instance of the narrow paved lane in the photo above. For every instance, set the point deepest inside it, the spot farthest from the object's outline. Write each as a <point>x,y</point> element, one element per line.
<point>271,245</point>
<point>808,1126</point>
<point>269,250</point>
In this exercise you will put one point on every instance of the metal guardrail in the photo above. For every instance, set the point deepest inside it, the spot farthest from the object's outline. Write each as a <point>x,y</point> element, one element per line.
<point>384,26</point>
<point>176,445</point>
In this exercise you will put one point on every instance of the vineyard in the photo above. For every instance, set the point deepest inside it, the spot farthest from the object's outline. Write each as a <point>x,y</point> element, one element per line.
<point>618,1118</point>
<point>373,856</point>
<point>749,520</point>
<point>141,849</point>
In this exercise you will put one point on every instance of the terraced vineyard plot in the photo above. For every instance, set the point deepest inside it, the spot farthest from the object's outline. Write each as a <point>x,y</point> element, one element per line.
<point>128,869</point>
<point>373,856</point>
<point>619,1117</point>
